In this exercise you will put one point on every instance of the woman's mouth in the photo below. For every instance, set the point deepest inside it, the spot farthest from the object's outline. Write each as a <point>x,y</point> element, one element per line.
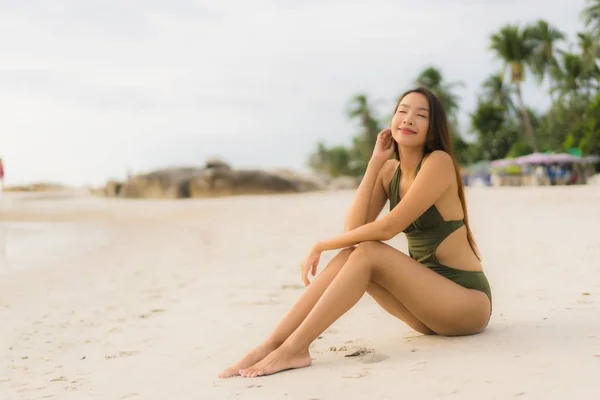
<point>407,131</point>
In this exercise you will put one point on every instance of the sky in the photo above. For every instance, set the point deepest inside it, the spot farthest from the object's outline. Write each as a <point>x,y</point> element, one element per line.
<point>91,90</point>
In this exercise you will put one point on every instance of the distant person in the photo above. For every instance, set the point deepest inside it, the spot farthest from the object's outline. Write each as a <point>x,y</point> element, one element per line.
<point>1,176</point>
<point>440,289</point>
<point>552,172</point>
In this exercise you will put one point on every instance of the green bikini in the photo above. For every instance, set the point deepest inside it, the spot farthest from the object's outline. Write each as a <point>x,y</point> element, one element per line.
<point>424,236</point>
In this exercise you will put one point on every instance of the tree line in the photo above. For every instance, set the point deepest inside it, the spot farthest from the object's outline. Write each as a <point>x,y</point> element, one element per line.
<point>502,125</point>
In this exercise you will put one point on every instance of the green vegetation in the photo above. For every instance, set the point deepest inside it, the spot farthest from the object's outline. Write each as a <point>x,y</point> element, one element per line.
<point>502,124</point>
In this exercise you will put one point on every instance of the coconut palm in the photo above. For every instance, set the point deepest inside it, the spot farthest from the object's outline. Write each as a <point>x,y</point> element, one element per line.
<point>544,38</point>
<point>432,78</point>
<point>591,16</point>
<point>513,46</point>
<point>589,46</point>
<point>497,92</point>
<point>575,77</point>
<point>360,108</point>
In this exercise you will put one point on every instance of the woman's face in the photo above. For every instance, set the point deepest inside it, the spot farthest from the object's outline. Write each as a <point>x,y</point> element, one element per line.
<point>411,120</point>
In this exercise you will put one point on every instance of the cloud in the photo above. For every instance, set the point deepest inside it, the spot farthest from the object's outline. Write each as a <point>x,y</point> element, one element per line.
<point>103,86</point>
<point>113,18</point>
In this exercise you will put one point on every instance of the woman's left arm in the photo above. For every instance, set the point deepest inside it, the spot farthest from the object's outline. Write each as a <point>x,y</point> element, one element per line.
<point>434,179</point>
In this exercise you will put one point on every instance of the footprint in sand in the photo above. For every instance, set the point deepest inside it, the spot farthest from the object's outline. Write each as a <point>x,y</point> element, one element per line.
<point>122,354</point>
<point>361,374</point>
<point>368,356</point>
<point>153,311</point>
<point>294,286</point>
<point>374,358</point>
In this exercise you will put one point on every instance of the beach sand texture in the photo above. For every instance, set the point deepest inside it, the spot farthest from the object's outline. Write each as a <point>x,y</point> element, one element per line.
<point>140,299</point>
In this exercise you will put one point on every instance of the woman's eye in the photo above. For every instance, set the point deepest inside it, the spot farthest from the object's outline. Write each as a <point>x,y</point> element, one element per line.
<point>420,115</point>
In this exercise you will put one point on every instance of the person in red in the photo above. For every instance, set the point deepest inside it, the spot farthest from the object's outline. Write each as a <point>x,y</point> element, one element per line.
<point>1,176</point>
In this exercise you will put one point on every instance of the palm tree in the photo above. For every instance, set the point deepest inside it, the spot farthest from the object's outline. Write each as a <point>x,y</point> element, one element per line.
<point>589,47</point>
<point>497,92</point>
<point>360,108</point>
<point>569,75</point>
<point>575,76</point>
<point>433,79</point>
<point>544,38</point>
<point>513,45</point>
<point>591,16</point>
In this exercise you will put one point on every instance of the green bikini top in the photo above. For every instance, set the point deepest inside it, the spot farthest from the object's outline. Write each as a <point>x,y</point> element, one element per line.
<point>426,233</point>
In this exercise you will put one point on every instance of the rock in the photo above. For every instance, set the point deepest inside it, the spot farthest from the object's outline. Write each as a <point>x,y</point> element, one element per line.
<point>112,188</point>
<point>170,183</point>
<point>304,183</point>
<point>344,183</point>
<point>218,180</point>
<point>215,162</point>
<point>224,182</point>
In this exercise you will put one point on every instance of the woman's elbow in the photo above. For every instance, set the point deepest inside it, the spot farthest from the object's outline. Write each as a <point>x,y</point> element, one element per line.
<point>388,232</point>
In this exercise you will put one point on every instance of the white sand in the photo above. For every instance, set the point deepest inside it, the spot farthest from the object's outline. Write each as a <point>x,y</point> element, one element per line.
<point>114,299</point>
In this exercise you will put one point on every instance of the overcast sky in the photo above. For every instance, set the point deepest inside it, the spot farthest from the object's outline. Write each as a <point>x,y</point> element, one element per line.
<point>91,89</point>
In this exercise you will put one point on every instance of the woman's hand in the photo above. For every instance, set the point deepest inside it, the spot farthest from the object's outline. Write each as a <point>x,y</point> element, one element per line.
<point>384,147</point>
<point>310,263</point>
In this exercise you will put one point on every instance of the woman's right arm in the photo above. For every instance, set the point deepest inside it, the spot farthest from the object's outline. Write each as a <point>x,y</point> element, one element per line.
<point>370,197</point>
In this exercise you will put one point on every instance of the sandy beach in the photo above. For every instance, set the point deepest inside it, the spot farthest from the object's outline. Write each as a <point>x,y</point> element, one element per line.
<point>140,299</point>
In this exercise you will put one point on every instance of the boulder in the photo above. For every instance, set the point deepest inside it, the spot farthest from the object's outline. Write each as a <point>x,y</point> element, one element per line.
<point>215,162</point>
<point>170,183</point>
<point>214,181</point>
<point>304,183</point>
<point>224,182</point>
<point>112,188</point>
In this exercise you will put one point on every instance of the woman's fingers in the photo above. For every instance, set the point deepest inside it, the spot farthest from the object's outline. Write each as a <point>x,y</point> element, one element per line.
<point>305,275</point>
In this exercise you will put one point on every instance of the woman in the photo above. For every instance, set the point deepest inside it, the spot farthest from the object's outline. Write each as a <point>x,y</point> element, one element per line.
<point>439,289</point>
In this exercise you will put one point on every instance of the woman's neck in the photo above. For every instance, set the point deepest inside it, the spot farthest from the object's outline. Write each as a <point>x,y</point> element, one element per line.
<point>410,159</point>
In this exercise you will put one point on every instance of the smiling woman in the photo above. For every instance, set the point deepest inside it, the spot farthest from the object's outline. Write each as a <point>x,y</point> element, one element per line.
<point>438,288</point>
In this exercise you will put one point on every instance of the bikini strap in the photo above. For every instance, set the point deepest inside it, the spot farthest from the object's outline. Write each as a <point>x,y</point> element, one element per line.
<point>419,166</point>
<point>394,188</point>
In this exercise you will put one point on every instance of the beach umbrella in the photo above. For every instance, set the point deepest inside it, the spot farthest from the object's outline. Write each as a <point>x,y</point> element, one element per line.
<point>501,163</point>
<point>542,158</point>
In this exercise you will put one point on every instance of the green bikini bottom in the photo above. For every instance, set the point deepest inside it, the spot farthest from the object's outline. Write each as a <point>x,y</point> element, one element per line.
<point>468,279</point>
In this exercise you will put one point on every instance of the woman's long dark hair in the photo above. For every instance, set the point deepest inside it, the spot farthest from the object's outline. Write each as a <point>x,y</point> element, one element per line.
<point>438,138</point>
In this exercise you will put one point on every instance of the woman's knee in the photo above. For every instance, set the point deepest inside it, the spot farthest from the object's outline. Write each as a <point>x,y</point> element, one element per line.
<point>340,258</point>
<point>367,249</point>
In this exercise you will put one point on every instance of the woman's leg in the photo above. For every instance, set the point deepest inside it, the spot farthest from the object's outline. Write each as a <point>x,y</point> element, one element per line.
<point>442,305</point>
<point>292,320</point>
<point>294,317</point>
<point>393,306</point>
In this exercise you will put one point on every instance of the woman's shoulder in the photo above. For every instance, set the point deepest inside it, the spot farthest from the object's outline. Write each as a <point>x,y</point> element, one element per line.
<point>443,164</point>
<point>439,157</point>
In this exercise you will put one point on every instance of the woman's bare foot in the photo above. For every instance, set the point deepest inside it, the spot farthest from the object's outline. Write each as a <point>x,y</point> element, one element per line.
<point>279,360</point>
<point>254,356</point>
